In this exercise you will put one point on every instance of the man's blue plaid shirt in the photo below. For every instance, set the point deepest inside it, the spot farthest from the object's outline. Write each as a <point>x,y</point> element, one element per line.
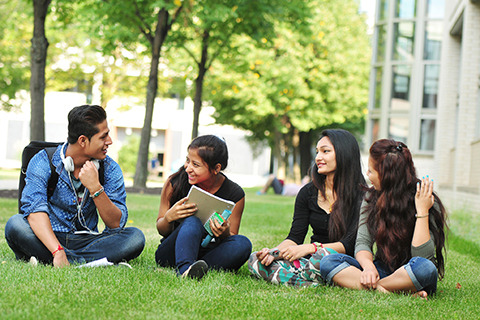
<point>62,207</point>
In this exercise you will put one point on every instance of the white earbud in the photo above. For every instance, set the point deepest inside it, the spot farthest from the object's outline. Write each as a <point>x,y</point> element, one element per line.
<point>68,161</point>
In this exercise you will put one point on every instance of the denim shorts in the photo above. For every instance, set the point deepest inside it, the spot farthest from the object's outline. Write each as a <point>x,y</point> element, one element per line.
<point>421,271</point>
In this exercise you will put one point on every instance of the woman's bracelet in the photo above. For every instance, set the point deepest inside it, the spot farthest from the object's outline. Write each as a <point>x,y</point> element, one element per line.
<point>316,245</point>
<point>424,216</point>
<point>58,249</point>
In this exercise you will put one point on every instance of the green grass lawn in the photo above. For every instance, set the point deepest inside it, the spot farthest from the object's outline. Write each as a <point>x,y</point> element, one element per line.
<point>149,292</point>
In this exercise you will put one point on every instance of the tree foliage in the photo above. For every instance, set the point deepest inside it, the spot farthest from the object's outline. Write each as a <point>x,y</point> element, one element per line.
<point>78,60</point>
<point>129,23</point>
<point>301,80</point>
<point>281,70</point>
<point>15,34</point>
<point>207,30</point>
<point>127,155</point>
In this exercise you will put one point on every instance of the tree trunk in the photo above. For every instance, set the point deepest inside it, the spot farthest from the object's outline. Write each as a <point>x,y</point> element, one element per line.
<point>296,156</point>
<point>202,70</point>
<point>37,80</point>
<point>141,169</point>
<point>305,152</point>
<point>287,143</point>
<point>278,151</point>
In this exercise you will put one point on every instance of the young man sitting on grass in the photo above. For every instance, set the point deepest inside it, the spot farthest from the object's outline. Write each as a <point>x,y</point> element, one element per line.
<point>63,229</point>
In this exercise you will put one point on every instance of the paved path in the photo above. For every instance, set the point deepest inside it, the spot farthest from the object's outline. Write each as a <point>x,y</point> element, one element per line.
<point>8,184</point>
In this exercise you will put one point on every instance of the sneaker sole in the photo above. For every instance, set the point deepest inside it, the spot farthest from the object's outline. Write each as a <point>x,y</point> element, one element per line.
<point>198,270</point>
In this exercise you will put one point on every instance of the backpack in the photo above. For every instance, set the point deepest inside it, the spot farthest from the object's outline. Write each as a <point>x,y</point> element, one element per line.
<point>50,147</point>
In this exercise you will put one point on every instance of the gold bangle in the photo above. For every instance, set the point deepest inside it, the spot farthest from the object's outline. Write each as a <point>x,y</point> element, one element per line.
<point>424,216</point>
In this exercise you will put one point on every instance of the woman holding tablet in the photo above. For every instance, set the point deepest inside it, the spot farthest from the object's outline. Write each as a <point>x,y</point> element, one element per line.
<point>182,232</point>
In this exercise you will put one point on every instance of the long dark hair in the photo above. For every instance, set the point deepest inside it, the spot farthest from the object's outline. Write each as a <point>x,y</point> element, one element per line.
<point>213,150</point>
<point>347,183</point>
<point>391,218</point>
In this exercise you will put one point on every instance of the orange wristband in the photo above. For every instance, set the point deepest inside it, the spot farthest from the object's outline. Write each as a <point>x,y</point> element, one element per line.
<point>58,249</point>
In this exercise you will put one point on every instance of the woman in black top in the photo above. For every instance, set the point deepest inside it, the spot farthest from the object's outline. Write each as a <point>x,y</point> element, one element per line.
<point>330,204</point>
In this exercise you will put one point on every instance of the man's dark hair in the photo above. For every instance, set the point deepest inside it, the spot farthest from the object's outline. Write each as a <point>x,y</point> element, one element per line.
<point>84,120</point>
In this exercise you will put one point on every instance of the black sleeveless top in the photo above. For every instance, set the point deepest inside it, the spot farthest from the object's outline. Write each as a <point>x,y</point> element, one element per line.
<point>229,190</point>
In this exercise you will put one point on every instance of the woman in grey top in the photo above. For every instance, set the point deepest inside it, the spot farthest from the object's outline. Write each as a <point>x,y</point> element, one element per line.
<point>405,219</point>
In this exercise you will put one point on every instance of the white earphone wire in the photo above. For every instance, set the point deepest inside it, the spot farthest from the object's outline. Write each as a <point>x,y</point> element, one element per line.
<point>80,215</point>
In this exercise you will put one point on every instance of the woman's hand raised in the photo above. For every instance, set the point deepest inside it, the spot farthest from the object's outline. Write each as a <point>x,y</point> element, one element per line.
<point>424,198</point>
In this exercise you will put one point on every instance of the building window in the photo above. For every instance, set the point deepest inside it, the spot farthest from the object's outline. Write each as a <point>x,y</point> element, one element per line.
<point>383,10</point>
<point>433,40</point>
<point>401,88</point>
<point>404,40</point>
<point>378,87</point>
<point>477,127</point>
<point>430,86</point>
<point>375,129</point>
<point>435,9</point>
<point>398,129</point>
<point>427,135</point>
<point>405,72</point>
<point>405,9</point>
<point>381,42</point>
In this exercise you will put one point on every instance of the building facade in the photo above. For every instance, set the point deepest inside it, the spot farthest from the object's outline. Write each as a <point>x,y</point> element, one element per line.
<point>457,155</point>
<point>405,72</point>
<point>170,135</point>
<point>424,90</point>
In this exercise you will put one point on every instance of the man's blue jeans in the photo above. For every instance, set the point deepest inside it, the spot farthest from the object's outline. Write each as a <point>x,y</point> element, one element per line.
<point>183,247</point>
<point>120,244</point>
<point>422,272</point>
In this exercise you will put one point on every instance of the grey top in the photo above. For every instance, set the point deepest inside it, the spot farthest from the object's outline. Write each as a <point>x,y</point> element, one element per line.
<point>365,241</point>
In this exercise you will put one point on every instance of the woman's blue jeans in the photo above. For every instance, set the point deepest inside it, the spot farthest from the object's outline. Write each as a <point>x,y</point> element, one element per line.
<point>183,247</point>
<point>117,245</point>
<point>422,272</point>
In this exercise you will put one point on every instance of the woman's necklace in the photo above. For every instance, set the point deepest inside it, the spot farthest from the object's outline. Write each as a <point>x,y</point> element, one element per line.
<point>328,198</point>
